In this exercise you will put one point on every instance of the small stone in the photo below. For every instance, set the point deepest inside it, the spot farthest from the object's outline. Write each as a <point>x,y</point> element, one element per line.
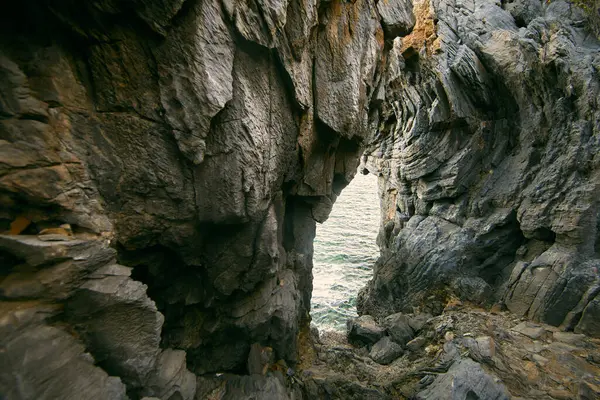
<point>486,346</point>
<point>385,351</point>
<point>416,343</point>
<point>432,349</point>
<point>449,336</point>
<point>560,394</point>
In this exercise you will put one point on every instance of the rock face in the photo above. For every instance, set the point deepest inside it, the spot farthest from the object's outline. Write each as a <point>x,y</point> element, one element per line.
<point>162,167</point>
<point>163,164</point>
<point>486,153</point>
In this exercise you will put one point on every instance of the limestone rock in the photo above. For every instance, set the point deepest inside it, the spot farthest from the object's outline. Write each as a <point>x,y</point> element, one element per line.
<point>486,176</point>
<point>397,17</point>
<point>120,325</point>
<point>170,378</point>
<point>68,370</point>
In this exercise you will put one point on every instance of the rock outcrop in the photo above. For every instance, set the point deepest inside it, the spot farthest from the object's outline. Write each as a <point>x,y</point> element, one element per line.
<point>487,157</point>
<point>163,164</point>
<point>162,168</point>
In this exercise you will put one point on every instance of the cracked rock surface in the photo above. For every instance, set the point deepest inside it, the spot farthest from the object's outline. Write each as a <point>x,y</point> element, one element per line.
<point>487,156</point>
<point>163,165</point>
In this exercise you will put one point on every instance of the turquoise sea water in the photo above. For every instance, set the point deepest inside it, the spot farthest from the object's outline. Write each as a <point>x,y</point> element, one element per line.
<point>344,253</point>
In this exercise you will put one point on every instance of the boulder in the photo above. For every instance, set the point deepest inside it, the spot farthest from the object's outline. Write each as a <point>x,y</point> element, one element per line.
<point>398,327</point>
<point>364,331</point>
<point>385,351</point>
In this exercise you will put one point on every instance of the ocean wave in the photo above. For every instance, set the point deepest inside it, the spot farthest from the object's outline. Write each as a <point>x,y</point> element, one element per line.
<point>344,253</point>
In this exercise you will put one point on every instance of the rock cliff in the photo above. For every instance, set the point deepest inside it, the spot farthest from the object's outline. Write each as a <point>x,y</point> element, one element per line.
<point>487,156</point>
<point>163,164</point>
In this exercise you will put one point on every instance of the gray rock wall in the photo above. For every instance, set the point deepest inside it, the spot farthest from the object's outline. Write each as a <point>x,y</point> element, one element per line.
<point>487,158</point>
<point>199,139</point>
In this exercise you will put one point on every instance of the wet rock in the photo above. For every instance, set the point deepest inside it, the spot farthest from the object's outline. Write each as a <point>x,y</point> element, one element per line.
<point>398,327</point>
<point>385,351</point>
<point>364,331</point>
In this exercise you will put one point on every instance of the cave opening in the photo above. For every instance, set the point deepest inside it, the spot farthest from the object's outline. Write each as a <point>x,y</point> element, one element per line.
<point>345,250</point>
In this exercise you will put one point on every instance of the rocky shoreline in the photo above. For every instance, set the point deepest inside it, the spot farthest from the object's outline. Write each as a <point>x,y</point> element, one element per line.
<point>163,165</point>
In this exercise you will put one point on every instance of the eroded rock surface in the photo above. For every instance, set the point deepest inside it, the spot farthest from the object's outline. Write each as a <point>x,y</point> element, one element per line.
<point>465,354</point>
<point>487,157</point>
<point>163,164</point>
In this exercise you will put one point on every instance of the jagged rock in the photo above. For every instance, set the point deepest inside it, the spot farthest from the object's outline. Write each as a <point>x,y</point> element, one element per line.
<point>44,362</point>
<point>121,326</point>
<point>398,327</point>
<point>397,17</point>
<point>524,11</point>
<point>170,378</point>
<point>464,380</point>
<point>385,351</point>
<point>418,321</point>
<point>486,175</point>
<point>364,331</point>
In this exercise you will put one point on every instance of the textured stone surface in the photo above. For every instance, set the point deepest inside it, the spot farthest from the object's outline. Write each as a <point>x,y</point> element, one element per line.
<point>465,380</point>
<point>191,146</point>
<point>398,327</point>
<point>486,157</point>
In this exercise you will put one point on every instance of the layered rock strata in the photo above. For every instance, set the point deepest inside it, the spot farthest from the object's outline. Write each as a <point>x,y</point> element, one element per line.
<point>162,167</point>
<point>163,164</point>
<point>487,158</point>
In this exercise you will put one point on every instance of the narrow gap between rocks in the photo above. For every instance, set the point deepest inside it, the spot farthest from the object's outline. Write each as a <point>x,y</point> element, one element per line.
<point>344,253</point>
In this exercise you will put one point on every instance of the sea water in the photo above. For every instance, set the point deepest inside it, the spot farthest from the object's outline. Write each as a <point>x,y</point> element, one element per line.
<point>344,253</point>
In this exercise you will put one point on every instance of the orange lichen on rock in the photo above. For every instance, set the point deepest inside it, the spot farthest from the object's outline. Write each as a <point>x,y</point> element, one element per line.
<point>424,33</point>
<point>18,225</point>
